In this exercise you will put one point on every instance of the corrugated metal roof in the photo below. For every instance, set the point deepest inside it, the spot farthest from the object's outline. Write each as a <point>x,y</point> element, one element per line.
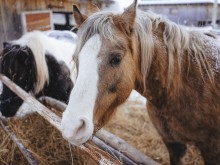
<point>167,2</point>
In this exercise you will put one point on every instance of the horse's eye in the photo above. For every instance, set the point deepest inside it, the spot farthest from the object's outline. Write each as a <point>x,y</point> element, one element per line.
<point>115,60</point>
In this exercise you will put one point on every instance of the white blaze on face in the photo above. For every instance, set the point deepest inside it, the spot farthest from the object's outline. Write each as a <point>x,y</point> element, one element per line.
<point>77,122</point>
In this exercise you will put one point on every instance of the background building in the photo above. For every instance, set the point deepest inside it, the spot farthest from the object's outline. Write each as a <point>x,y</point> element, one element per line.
<point>185,12</point>
<point>19,16</point>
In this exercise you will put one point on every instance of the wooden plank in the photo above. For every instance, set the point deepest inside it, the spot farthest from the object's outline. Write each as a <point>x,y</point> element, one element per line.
<point>42,24</point>
<point>125,148</point>
<point>31,17</point>
<point>114,152</point>
<point>36,20</point>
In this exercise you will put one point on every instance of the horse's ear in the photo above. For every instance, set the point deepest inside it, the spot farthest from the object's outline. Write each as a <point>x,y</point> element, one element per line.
<point>79,17</point>
<point>129,16</point>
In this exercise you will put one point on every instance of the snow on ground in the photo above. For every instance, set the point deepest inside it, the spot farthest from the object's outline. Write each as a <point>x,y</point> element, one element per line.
<point>134,101</point>
<point>24,110</point>
<point>1,86</point>
<point>135,96</point>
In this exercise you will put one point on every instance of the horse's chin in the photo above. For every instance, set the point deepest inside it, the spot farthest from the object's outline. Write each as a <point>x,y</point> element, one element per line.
<point>78,142</point>
<point>79,139</point>
<point>76,130</point>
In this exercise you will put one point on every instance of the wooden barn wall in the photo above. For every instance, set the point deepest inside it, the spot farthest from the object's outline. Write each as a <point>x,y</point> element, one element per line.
<point>10,23</point>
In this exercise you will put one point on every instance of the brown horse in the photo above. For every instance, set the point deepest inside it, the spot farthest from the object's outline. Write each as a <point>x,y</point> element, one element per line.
<point>178,71</point>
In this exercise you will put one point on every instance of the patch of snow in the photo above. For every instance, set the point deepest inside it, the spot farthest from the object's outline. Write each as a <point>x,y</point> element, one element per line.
<point>58,18</point>
<point>1,86</point>
<point>63,35</point>
<point>24,110</point>
<point>135,96</point>
<point>1,116</point>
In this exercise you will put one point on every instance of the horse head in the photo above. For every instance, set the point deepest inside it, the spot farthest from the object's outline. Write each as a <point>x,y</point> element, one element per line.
<point>19,65</point>
<point>40,65</point>
<point>105,51</point>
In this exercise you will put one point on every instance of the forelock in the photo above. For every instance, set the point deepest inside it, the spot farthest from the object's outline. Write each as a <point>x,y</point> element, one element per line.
<point>99,23</point>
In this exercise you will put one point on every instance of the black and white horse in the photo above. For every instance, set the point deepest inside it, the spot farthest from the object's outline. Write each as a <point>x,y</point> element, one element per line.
<point>41,65</point>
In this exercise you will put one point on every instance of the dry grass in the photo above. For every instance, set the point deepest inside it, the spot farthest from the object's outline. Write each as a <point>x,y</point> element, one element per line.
<point>43,141</point>
<point>131,122</point>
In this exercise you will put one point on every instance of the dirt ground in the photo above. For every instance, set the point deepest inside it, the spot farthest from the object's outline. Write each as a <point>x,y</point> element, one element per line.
<point>131,122</point>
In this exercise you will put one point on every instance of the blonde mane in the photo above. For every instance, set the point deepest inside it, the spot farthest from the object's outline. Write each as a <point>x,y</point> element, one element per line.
<point>177,40</point>
<point>100,23</point>
<point>34,41</point>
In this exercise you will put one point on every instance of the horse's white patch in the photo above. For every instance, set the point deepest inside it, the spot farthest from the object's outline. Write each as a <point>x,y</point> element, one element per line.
<point>24,110</point>
<point>1,86</point>
<point>77,122</point>
<point>62,51</point>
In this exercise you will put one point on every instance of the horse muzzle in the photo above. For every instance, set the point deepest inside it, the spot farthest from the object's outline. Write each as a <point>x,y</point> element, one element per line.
<point>76,130</point>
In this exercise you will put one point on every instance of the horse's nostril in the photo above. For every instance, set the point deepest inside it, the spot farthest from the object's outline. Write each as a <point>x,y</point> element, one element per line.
<point>81,126</point>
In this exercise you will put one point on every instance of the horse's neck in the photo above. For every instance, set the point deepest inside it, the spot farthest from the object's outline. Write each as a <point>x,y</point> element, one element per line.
<point>156,80</point>
<point>158,86</point>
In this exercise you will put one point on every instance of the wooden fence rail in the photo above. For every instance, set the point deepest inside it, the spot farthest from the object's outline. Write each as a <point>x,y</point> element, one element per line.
<point>98,155</point>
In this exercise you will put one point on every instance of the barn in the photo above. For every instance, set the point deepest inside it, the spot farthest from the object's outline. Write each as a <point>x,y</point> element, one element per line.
<point>199,12</point>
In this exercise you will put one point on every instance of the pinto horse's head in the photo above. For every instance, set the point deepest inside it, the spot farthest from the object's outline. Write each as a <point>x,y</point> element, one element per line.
<point>38,64</point>
<point>106,72</point>
<point>18,64</point>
